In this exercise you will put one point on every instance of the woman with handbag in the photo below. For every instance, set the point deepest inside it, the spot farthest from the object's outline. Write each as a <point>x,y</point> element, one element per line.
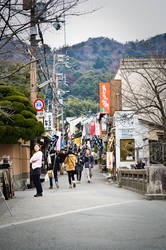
<point>70,162</point>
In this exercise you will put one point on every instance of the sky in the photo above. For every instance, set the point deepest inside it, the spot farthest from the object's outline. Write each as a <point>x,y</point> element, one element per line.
<point>122,20</point>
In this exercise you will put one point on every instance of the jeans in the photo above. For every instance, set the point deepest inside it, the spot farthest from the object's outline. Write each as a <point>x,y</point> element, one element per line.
<point>51,182</point>
<point>79,173</point>
<point>36,180</point>
<point>70,176</point>
<point>56,174</point>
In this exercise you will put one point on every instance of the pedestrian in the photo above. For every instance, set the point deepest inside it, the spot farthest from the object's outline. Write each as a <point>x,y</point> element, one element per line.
<point>79,167</point>
<point>70,162</point>
<point>50,171</point>
<point>88,169</point>
<point>92,163</point>
<point>60,160</point>
<point>36,161</point>
<point>56,167</point>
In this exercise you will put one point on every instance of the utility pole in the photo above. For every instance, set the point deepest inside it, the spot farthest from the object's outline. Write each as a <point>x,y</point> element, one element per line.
<point>33,66</point>
<point>57,105</point>
<point>55,92</point>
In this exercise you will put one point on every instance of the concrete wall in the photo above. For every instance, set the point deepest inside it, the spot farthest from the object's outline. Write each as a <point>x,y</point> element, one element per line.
<point>20,156</point>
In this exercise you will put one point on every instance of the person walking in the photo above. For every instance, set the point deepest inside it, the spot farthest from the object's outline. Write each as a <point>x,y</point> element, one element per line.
<point>36,161</point>
<point>92,163</point>
<point>79,167</point>
<point>70,162</point>
<point>87,161</point>
<point>50,171</point>
<point>56,166</point>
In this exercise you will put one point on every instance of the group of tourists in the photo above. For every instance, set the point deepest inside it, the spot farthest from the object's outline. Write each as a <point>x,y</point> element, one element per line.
<point>75,159</point>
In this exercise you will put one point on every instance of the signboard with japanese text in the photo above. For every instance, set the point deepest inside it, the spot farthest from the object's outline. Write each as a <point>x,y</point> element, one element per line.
<point>104,98</point>
<point>48,121</point>
<point>127,133</point>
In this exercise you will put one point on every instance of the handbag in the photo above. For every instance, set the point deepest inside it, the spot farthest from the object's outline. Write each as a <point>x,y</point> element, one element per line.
<point>50,173</point>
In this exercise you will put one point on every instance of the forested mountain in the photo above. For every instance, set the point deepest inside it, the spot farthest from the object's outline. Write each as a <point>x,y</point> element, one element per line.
<point>90,62</point>
<point>98,59</point>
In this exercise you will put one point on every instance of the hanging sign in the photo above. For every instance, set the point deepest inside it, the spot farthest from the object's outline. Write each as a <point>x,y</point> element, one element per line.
<point>38,104</point>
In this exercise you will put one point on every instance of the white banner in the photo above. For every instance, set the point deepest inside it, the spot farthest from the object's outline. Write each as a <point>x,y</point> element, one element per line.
<point>58,145</point>
<point>48,121</point>
<point>110,160</point>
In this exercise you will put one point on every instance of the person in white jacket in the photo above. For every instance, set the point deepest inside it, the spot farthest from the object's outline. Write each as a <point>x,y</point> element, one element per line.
<point>36,161</point>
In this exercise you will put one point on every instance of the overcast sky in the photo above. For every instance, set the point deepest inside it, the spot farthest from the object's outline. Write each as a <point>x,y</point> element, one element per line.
<point>122,20</point>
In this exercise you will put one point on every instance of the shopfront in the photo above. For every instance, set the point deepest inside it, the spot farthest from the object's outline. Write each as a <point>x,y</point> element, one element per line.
<point>131,139</point>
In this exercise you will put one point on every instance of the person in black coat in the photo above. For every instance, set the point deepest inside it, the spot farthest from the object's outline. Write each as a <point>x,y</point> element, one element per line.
<point>79,166</point>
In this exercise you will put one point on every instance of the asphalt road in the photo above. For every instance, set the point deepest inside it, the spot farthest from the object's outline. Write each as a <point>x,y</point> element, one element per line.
<point>93,216</point>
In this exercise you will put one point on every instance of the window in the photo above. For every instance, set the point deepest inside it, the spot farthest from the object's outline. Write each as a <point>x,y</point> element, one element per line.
<point>127,150</point>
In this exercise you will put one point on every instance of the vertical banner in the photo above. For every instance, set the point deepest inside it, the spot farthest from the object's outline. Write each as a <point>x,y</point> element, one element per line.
<point>58,145</point>
<point>104,97</point>
<point>110,160</point>
<point>92,128</point>
<point>48,121</point>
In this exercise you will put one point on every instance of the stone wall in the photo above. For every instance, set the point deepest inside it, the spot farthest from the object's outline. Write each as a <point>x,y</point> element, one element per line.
<point>157,180</point>
<point>20,156</point>
<point>146,181</point>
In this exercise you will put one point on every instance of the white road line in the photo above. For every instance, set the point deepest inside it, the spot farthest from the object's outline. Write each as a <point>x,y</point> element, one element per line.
<point>65,213</point>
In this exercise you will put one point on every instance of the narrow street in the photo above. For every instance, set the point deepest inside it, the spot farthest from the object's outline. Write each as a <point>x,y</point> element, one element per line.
<point>98,215</point>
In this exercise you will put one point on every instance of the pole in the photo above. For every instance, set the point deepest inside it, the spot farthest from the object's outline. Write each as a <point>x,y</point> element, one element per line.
<point>57,119</point>
<point>54,88</point>
<point>33,66</point>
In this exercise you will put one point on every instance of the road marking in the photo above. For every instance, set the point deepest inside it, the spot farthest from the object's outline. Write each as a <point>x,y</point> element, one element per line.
<point>65,213</point>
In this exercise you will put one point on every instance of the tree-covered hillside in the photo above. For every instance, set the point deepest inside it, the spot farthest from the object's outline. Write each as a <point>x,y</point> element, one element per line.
<point>91,62</point>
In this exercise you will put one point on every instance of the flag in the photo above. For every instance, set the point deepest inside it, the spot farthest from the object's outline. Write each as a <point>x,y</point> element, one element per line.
<point>98,143</point>
<point>52,144</point>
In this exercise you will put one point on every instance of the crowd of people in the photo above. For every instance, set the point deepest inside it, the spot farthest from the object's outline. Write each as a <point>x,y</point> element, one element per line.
<point>75,159</point>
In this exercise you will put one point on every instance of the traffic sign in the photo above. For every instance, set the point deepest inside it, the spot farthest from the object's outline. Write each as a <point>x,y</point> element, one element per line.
<point>38,104</point>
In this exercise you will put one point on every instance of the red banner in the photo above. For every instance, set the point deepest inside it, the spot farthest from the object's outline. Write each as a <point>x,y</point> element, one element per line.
<point>105,98</point>
<point>92,128</point>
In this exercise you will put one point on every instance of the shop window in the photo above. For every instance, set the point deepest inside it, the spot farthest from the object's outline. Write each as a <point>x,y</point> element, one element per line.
<point>127,150</point>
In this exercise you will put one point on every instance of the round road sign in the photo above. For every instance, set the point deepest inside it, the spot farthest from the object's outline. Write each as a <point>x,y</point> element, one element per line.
<point>38,104</point>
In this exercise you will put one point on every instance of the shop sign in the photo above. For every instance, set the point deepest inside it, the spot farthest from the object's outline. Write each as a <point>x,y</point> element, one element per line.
<point>127,133</point>
<point>48,121</point>
<point>105,98</point>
